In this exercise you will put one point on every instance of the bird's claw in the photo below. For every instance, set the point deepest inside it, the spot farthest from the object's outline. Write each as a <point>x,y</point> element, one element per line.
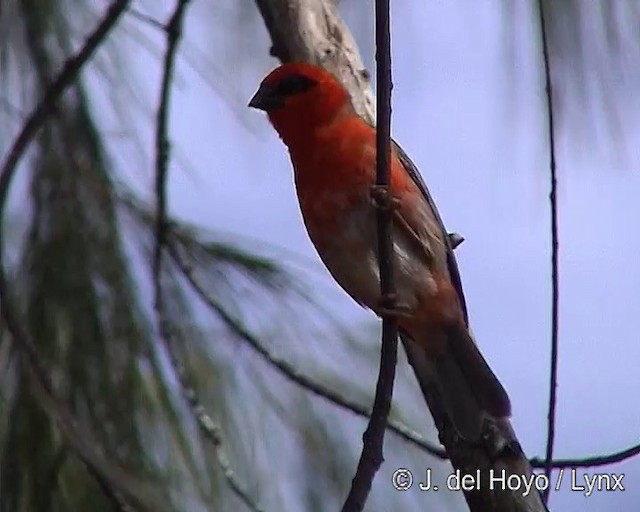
<point>381,198</point>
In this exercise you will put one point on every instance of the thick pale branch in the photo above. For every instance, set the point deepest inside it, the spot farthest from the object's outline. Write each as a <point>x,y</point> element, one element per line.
<point>313,31</point>
<point>304,30</point>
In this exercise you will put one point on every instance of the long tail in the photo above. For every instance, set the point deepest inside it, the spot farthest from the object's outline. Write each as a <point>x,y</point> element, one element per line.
<point>469,390</point>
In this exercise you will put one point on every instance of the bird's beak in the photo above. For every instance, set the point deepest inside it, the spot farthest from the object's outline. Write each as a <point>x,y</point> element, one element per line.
<point>266,98</point>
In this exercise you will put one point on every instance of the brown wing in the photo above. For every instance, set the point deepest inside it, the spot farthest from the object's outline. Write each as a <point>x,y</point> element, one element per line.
<point>451,259</point>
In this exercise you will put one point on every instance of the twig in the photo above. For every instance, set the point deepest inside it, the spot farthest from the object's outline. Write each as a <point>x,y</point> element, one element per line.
<point>209,428</point>
<point>107,474</point>
<point>174,33</point>
<point>312,31</point>
<point>213,432</point>
<point>373,438</point>
<point>588,462</point>
<point>145,18</point>
<point>118,502</point>
<point>553,377</point>
<point>67,75</point>
<point>292,373</point>
<point>281,365</point>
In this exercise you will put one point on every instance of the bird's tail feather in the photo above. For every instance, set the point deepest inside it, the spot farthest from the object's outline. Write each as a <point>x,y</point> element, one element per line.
<point>468,388</point>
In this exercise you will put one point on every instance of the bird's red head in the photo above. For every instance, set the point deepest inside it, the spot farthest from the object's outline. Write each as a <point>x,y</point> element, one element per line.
<point>299,98</point>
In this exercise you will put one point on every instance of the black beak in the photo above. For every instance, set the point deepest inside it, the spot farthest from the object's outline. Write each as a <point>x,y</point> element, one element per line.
<point>266,98</point>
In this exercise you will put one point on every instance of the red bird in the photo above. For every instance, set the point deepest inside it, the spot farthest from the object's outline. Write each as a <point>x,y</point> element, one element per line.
<point>333,151</point>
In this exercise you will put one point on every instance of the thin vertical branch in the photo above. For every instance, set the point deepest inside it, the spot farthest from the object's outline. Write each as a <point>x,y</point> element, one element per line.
<point>373,438</point>
<point>163,148</point>
<point>553,377</point>
<point>173,31</point>
<point>209,428</point>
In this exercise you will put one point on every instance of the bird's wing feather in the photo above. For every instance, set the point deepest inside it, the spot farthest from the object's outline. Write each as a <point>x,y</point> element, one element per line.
<point>451,259</point>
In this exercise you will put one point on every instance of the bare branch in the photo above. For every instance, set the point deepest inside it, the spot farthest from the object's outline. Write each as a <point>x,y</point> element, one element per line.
<point>588,462</point>
<point>208,427</point>
<point>299,31</point>
<point>312,31</point>
<point>110,476</point>
<point>145,18</point>
<point>213,432</point>
<point>65,78</point>
<point>373,439</point>
<point>288,370</point>
<point>174,34</point>
<point>553,377</point>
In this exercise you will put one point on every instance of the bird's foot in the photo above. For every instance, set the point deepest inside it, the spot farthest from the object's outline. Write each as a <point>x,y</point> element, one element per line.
<point>381,198</point>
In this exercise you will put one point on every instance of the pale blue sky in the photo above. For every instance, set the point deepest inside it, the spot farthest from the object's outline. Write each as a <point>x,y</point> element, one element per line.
<point>475,126</point>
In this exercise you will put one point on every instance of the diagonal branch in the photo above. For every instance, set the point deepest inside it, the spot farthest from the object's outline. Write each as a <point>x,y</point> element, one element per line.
<point>553,377</point>
<point>295,376</point>
<point>207,425</point>
<point>174,243</point>
<point>120,483</point>
<point>288,370</point>
<point>46,106</point>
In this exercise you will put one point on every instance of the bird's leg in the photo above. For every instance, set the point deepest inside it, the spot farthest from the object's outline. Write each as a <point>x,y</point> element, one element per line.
<point>381,199</point>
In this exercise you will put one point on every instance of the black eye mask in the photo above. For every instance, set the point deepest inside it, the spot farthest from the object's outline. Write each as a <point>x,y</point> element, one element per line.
<point>295,84</point>
<point>271,97</point>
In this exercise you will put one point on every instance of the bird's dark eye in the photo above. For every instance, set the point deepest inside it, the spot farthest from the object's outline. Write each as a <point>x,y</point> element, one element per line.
<point>295,84</point>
